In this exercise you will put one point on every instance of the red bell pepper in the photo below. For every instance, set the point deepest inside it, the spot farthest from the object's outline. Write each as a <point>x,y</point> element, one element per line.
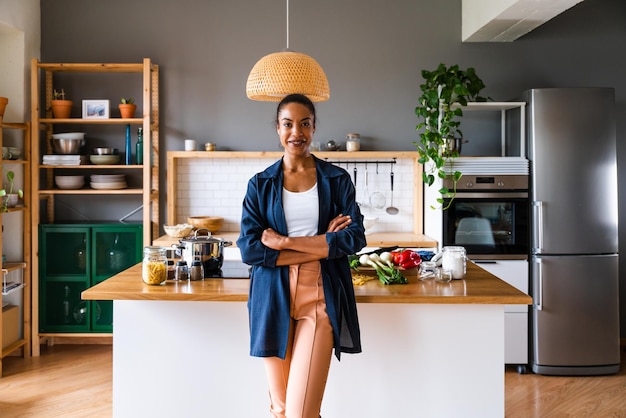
<point>409,259</point>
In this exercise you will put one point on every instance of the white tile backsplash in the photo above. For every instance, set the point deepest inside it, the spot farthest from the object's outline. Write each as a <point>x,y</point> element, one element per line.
<point>216,187</point>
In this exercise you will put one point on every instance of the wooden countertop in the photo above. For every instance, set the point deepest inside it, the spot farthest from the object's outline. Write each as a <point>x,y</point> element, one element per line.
<point>382,239</point>
<point>479,287</point>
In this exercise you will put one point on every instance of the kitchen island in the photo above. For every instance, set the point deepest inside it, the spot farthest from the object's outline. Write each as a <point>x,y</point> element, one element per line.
<point>429,349</point>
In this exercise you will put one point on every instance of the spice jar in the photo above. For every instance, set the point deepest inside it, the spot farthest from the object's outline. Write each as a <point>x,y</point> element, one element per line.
<point>182,271</point>
<point>154,265</point>
<point>454,258</point>
<point>171,270</point>
<point>353,142</point>
<point>196,272</point>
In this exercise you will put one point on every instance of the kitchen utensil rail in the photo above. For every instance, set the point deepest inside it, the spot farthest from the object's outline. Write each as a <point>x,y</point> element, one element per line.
<point>361,162</point>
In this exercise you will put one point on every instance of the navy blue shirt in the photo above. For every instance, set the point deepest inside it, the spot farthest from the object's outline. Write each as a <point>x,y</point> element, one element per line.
<point>269,297</point>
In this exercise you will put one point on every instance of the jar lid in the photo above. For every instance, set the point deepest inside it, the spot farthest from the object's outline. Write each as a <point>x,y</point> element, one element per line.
<point>196,263</point>
<point>154,250</point>
<point>181,263</point>
<point>353,135</point>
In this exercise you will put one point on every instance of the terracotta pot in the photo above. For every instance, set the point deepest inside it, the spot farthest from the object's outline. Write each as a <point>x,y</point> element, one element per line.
<point>127,110</point>
<point>3,105</point>
<point>61,109</point>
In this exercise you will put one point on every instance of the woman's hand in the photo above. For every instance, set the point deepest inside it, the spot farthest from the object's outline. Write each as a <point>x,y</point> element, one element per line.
<point>273,239</point>
<point>339,223</point>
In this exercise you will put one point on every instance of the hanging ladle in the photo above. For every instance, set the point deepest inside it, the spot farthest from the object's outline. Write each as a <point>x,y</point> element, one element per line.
<point>392,210</point>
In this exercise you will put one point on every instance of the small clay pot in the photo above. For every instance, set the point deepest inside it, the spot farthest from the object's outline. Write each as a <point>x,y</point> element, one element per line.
<point>61,109</point>
<point>127,110</point>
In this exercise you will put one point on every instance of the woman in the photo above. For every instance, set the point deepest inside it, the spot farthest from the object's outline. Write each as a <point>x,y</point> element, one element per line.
<point>299,223</point>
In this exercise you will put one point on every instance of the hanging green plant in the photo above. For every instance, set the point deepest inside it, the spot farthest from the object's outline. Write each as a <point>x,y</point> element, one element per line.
<point>444,91</point>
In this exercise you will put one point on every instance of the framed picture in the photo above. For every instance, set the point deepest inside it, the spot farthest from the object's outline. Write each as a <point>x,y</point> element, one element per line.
<point>95,109</point>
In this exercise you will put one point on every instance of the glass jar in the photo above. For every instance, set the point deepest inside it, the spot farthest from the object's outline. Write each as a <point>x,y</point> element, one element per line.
<point>427,270</point>
<point>154,265</point>
<point>196,272</point>
<point>454,258</point>
<point>171,270</point>
<point>182,271</point>
<point>353,142</point>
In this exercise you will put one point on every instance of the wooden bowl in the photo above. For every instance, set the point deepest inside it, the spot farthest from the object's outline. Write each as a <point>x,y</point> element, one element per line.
<point>212,223</point>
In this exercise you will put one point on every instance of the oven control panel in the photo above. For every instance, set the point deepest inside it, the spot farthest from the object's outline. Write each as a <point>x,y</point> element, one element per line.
<point>490,182</point>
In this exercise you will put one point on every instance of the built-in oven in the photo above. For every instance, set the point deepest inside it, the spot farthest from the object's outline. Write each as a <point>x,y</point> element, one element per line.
<point>489,216</point>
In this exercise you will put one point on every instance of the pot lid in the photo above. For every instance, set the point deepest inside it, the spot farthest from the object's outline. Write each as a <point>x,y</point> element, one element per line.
<point>202,238</point>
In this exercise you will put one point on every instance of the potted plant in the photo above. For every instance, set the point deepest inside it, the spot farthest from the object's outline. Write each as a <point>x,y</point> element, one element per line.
<point>444,91</point>
<point>10,198</point>
<point>127,107</point>
<point>3,105</point>
<point>61,108</point>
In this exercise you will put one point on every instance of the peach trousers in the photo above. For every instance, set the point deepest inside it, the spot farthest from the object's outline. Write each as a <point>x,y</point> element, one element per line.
<point>297,383</point>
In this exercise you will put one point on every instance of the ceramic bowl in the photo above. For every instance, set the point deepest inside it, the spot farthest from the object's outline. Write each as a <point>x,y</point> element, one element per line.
<point>178,231</point>
<point>69,182</point>
<point>104,159</point>
<point>368,223</point>
<point>14,153</point>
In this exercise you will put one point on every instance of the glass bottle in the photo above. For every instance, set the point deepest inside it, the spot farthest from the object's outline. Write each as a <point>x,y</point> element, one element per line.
<point>66,305</point>
<point>139,147</point>
<point>454,258</point>
<point>128,146</point>
<point>116,255</point>
<point>154,265</point>
<point>81,256</point>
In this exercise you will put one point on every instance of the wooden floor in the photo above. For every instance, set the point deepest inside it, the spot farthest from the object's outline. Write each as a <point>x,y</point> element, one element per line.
<point>74,381</point>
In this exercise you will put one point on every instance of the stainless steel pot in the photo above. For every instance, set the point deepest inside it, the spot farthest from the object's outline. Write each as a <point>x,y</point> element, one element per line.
<point>209,250</point>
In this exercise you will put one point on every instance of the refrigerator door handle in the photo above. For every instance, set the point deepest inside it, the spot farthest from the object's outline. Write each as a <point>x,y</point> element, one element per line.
<point>539,291</point>
<point>538,212</point>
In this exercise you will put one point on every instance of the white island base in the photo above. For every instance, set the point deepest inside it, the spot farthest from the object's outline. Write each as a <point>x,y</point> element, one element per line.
<point>190,359</point>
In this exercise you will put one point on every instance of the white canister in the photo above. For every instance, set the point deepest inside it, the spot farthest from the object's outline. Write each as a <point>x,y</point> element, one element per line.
<point>454,258</point>
<point>353,142</point>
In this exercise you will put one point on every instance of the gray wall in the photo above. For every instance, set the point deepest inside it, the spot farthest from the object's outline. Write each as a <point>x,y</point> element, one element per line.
<point>372,51</point>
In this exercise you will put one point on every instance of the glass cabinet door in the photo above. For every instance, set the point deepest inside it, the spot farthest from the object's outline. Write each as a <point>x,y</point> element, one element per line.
<point>63,276</point>
<point>115,248</point>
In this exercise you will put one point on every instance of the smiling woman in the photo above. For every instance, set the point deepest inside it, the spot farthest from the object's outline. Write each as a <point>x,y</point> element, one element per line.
<point>299,223</point>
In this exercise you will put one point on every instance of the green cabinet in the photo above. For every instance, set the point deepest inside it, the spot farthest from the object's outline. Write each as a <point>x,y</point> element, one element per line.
<point>74,257</point>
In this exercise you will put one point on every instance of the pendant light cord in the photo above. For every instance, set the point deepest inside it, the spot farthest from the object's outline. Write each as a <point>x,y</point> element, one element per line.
<point>287,25</point>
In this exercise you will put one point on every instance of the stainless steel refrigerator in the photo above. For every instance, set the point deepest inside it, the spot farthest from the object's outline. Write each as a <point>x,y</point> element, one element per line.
<point>574,269</point>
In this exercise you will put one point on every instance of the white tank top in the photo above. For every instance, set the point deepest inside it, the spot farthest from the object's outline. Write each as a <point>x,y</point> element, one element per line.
<point>301,212</point>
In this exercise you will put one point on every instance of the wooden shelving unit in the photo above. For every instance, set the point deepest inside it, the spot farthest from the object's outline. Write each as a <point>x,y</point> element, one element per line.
<point>16,274</point>
<point>44,191</point>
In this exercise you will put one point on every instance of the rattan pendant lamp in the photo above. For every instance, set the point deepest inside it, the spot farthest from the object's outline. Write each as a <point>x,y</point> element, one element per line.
<point>281,73</point>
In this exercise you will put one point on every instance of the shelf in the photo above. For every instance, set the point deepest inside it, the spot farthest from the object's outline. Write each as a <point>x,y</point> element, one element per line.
<point>44,192</point>
<point>17,275</point>
<point>92,68</point>
<point>109,121</point>
<point>95,167</point>
<point>144,179</point>
<point>9,287</point>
